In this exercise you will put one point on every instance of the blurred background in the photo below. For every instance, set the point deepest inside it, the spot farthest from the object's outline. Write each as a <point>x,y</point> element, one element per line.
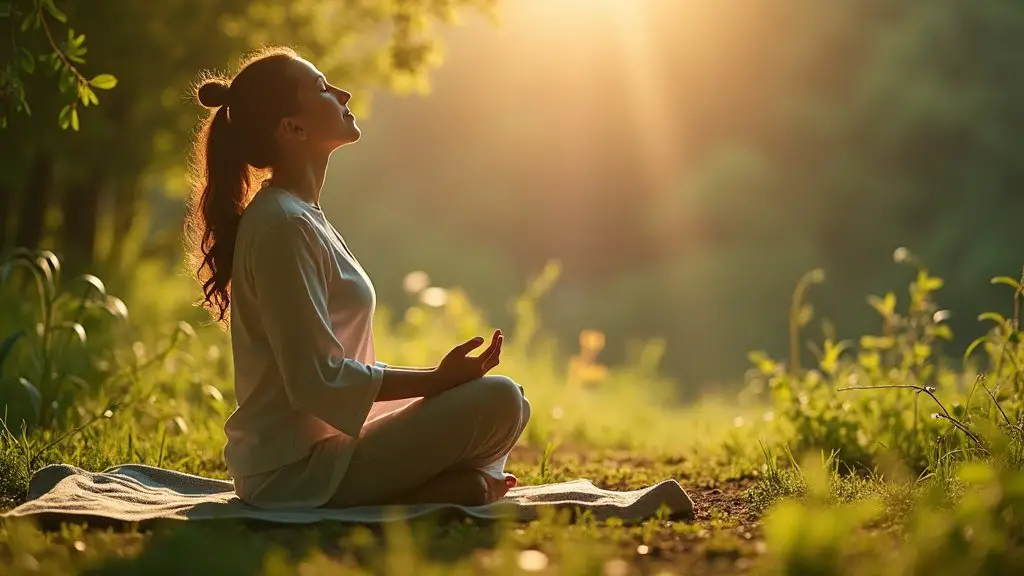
<point>684,162</point>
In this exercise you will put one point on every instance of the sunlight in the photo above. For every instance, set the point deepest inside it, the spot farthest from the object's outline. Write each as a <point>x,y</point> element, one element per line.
<point>622,31</point>
<point>648,92</point>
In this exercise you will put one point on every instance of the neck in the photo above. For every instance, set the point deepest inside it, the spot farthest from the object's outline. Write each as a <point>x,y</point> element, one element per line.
<point>303,177</point>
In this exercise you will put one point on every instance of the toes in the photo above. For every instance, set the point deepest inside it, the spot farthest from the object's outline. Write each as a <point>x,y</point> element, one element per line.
<point>497,488</point>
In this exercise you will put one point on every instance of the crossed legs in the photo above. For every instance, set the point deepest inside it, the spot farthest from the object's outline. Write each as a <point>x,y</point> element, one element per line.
<point>437,449</point>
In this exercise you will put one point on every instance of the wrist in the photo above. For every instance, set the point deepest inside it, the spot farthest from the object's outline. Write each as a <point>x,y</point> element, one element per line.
<point>434,381</point>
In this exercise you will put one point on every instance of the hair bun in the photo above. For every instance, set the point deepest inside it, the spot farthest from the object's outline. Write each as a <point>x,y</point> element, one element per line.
<point>213,94</point>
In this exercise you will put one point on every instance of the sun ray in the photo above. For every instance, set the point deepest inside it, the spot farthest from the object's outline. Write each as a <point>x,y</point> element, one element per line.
<point>648,92</point>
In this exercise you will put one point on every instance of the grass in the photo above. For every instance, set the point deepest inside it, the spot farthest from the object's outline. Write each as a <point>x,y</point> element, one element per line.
<point>722,536</point>
<point>836,467</point>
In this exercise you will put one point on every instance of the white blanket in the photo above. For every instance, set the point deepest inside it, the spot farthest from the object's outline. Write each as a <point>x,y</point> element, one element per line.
<point>138,493</point>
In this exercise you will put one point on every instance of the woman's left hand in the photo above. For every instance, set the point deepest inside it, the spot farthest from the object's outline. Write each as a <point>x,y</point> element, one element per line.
<point>457,367</point>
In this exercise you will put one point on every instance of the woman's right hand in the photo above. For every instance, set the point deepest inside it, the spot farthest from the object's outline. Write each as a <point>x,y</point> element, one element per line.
<point>457,367</point>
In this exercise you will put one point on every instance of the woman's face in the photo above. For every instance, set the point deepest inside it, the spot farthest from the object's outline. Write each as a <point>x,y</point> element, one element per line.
<point>324,122</point>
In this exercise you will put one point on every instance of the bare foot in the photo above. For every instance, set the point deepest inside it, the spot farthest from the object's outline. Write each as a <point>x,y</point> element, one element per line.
<point>461,487</point>
<point>497,488</point>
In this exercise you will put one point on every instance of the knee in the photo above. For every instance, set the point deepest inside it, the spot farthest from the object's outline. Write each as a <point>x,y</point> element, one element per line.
<point>504,398</point>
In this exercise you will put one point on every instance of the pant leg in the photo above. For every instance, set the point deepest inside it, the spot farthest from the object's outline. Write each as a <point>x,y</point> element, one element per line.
<point>469,426</point>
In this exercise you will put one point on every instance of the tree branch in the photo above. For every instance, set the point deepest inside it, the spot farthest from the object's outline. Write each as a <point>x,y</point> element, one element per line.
<point>945,415</point>
<point>60,53</point>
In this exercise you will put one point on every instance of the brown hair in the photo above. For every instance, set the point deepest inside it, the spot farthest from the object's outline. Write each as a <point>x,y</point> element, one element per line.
<point>234,148</point>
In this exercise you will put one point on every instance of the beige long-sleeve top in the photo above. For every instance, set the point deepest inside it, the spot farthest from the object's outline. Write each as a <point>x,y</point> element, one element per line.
<point>301,335</point>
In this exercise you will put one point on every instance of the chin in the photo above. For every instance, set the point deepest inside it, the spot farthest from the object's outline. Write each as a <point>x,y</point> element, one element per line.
<point>343,141</point>
<point>350,135</point>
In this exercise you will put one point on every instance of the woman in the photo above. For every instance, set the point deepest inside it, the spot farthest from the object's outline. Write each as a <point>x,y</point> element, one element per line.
<point>320,422</point>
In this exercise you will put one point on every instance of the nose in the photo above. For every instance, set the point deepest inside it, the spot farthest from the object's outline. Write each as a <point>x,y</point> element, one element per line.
<point>342,96</point>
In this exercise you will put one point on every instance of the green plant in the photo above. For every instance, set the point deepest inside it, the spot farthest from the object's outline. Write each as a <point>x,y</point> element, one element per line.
<point>544,475</point>
<point>64,59</point>
<point>776,482</point>
<point>800,314</point>
<point>816,408</point>
<point>59,331</point>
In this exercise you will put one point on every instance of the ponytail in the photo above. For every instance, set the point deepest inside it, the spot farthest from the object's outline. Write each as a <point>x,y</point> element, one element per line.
<point>234,147</point>
<point>216,210</point>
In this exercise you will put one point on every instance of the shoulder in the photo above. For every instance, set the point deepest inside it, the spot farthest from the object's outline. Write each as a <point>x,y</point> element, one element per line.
<point>273,214</point>
<point>277,225</point>
<point>270,208</point>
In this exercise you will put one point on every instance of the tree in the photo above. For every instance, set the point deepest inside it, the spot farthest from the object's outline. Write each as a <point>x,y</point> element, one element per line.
<point>33,29</point>
<point>103,180</point>
<point>853,127</point>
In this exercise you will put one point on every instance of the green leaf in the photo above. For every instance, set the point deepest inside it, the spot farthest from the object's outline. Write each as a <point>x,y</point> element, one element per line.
<point>103,82</point>
<point>116,307</point>
<point>970,349</point>
<point>5,9</point>
<point>29,21</point>
<point>55,12</point>
<point>186,329</point>
<point>26,60</point>
<point>94,283</point>
<point>877,342</point>
<point>74,119</point>
<point>939,331</point>
<point>75,327</point>
<point>928,283</point>
<point>8,344</point>
<point>830,359</point>
<point>763,362</point>
<point>885,306</point>
<point>64,118</point>
<point>75,41</point>
<point>20,257</point>
<point>994,317</point>
<point>34,397</point>
<point>86,95</point>
<point>869,360</point>
<point>1006,280</point>
<point>50,259</point>
<point>51,281</point>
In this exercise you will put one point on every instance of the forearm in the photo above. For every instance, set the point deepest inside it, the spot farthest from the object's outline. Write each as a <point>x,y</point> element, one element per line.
<point>400,383</point>
<point>409,368</point>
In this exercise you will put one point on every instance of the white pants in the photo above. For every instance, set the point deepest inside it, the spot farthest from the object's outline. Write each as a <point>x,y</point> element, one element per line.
<point>473,426</point>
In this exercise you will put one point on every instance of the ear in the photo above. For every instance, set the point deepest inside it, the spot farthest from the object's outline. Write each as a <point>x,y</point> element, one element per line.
<point>291,129</point>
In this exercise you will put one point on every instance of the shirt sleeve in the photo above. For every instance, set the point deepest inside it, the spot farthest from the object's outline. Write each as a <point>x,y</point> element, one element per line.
<point>290,281</point>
